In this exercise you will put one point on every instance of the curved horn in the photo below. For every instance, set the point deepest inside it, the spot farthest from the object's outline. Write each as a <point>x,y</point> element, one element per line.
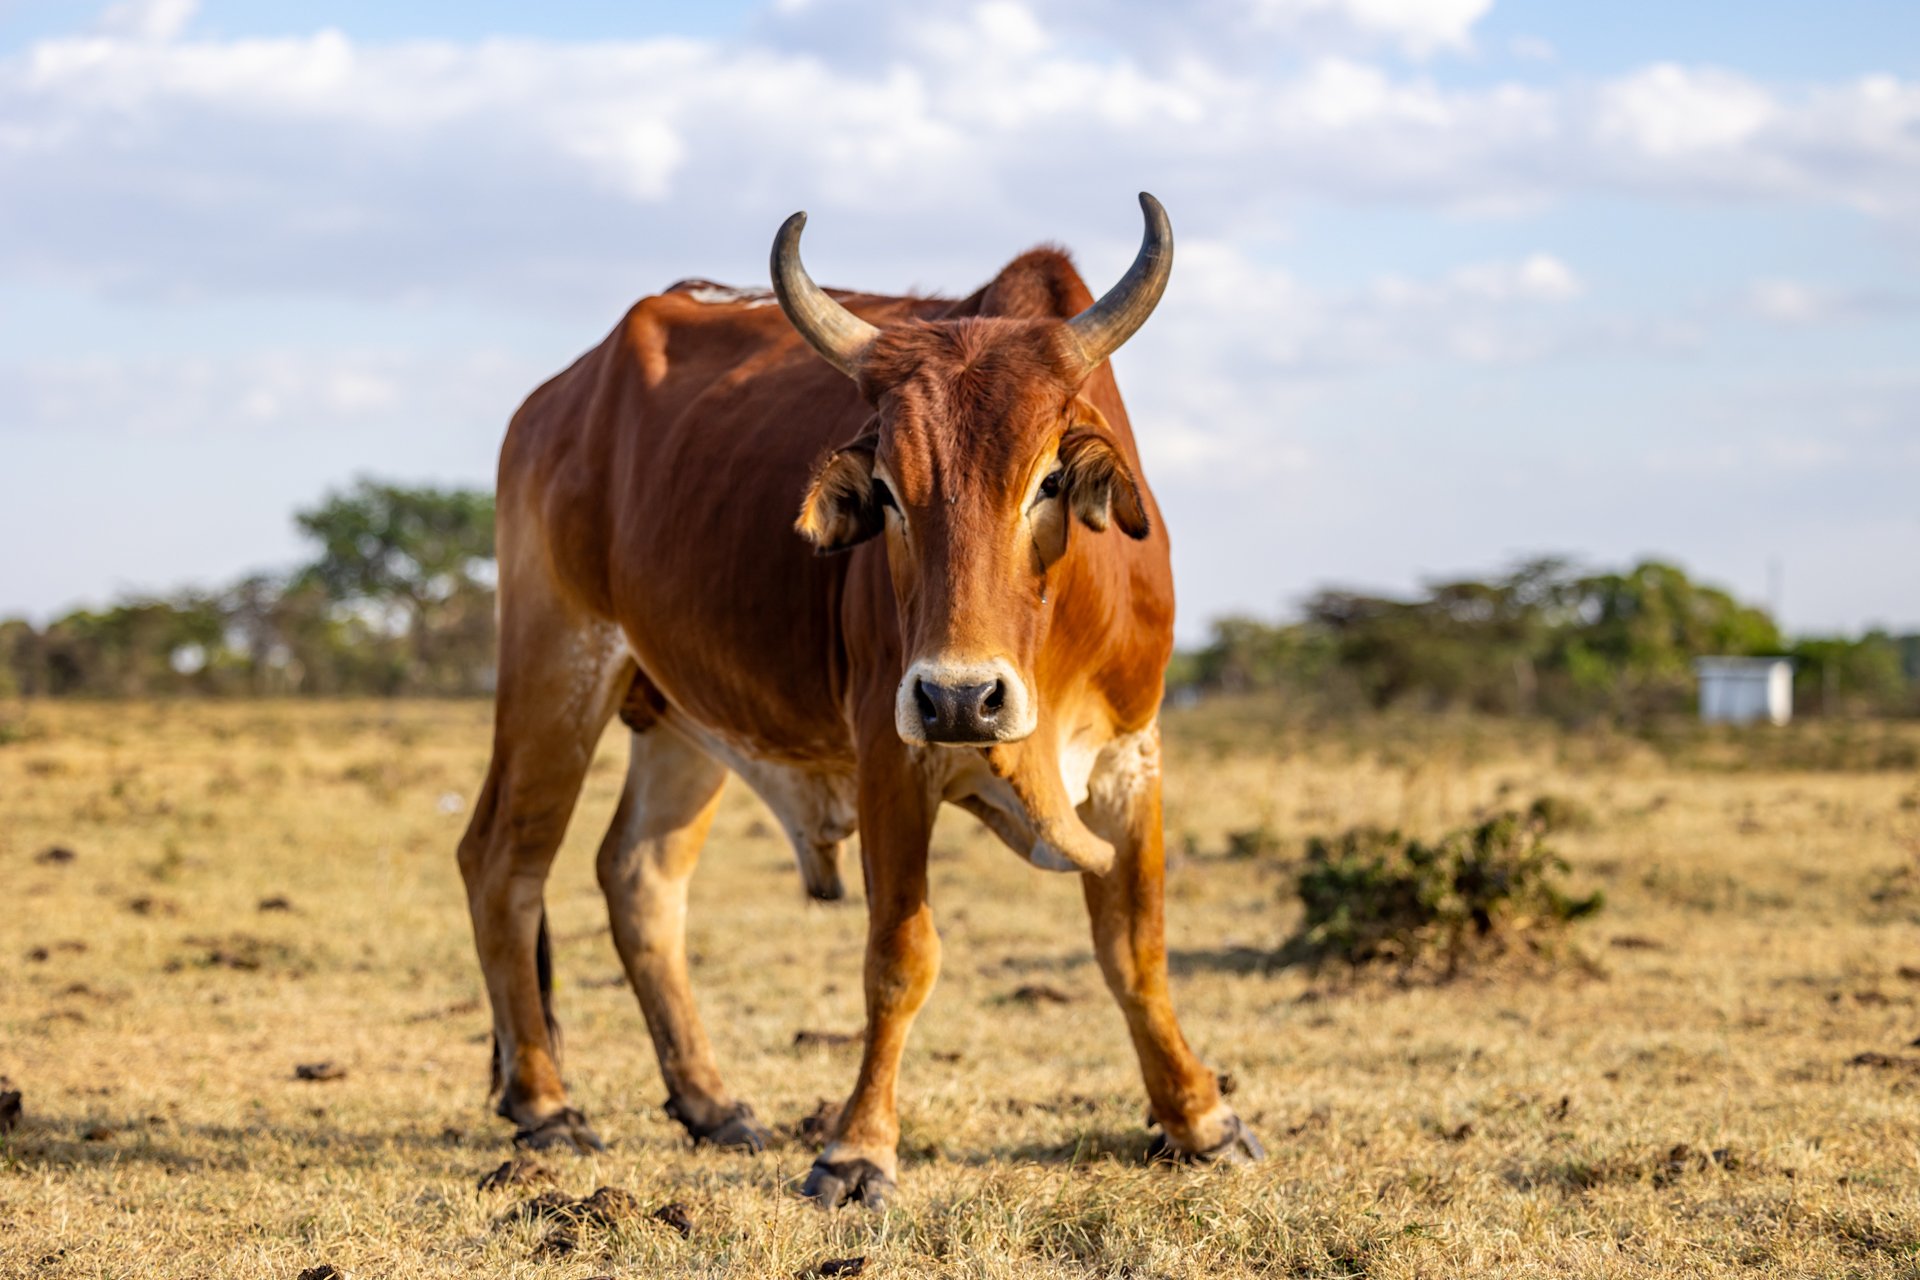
<point>829,328</point>
<point>1102,327</point>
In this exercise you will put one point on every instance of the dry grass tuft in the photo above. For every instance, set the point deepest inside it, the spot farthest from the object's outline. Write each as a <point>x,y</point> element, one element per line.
<point>1733,1095</point>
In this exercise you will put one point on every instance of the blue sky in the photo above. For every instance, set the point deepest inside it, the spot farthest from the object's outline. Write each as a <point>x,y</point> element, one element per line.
<point>1458,280</point>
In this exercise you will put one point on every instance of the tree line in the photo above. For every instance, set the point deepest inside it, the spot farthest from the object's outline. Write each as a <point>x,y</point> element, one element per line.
<point>398,599</point>
<point>1546,638</point>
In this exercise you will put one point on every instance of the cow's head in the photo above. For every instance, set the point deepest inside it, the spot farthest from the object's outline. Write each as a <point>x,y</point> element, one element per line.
<point>981,458</point>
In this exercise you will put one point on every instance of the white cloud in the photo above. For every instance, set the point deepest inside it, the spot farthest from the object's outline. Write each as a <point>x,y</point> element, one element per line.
<point>142,159</point>
<point>272,390</point>
<point>1669,111</point>
<point>155,20</point>
<point>1796,302</point>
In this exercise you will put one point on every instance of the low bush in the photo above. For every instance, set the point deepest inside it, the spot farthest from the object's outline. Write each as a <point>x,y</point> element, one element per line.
<point>1376,896</point>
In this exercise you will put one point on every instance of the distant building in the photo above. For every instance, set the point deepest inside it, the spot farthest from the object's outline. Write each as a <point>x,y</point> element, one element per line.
<point>1743,690</point>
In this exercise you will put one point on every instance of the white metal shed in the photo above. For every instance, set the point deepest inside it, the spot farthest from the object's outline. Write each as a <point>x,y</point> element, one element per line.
<point>1743,690</point>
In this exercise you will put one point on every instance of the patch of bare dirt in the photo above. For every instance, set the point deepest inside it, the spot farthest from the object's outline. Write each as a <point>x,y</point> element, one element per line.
<point>319,1071</point>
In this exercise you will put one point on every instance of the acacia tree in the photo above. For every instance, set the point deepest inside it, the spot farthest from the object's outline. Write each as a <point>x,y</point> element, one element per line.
<point>417,564</point>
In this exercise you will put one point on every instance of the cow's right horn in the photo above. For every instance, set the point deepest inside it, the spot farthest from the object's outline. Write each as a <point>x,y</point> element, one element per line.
<point>829,328</point>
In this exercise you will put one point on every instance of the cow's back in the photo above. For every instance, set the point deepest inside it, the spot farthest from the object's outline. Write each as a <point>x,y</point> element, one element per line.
<point>658,478</point>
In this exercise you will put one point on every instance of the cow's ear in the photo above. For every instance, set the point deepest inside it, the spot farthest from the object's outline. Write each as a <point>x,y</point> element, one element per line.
<point>841,509</point>
<point>1099,484</point>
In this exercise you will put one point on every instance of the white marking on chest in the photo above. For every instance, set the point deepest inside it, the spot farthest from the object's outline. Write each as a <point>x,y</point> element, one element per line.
<point>1077,756</point>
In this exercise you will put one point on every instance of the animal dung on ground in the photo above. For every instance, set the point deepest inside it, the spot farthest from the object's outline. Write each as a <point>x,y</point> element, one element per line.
<point>1040,993</point>
<point>817,1125</point>
<point>675,1215</point>
<point>319,1071</point>
<point>97,1133</point>
<point>9,1105</point>
<point>276,903</point>
<point>1884,1061</point>
<point>57,855</point>
<point>324,1271</point>
<point>825,1039</point>
<point>837,1267</point>
<point>557,1244</point>
<point>604,1208</point>
<point>520,1171</point>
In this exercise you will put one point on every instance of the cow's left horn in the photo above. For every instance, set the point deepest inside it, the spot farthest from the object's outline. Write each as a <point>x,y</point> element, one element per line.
<point>1102,327</point>
<point>828,327</point>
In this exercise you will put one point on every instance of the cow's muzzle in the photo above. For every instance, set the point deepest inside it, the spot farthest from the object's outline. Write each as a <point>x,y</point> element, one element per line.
<point>963,704</point>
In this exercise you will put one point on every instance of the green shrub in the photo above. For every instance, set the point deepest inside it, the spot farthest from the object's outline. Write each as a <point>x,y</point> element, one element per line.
<point>1373,895</point>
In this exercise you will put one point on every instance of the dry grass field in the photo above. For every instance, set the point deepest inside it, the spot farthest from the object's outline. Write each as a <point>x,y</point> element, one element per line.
<point>1727,1084</point>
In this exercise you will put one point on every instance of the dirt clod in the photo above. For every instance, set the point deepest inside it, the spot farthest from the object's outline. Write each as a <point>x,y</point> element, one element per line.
<point>319,1071</point>
<point>324,1271</point>
<point>825,1039</point>
<point>57,855</point>
<point>838,1267</point>
<point>604,1208</point>
<point>1884,1061</point>
<point>1459,1133</point>
<point>548,1206</point>
<point>1040,993</point>
<point>557,1244</point>
<point>9,1105</point>
<point>675,1215</point>
<point>608,1205</point>
<point>97,1133</point>
<point>521,1171</point>
<point>817,1125</point>
<point>276,903</point>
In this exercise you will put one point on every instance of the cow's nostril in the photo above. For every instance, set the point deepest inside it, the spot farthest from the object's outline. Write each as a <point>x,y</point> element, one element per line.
<point>996,699</point>
<point>923,702</point>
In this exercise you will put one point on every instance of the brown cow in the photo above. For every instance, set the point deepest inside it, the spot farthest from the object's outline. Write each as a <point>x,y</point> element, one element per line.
<point>995,637</point>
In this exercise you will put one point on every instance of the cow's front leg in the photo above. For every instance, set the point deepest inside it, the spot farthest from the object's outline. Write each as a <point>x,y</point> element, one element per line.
<point>1128,911</point>
<point>903,958</point>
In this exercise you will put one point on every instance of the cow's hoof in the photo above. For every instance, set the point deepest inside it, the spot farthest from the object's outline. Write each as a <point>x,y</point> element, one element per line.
<point>561,1129</point>
<point>1238,1147</point>
<point>736,1131</point>
<point>847,1182</point>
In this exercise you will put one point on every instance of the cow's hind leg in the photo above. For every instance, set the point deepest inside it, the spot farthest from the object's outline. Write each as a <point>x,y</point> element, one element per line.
<point>1128,911</point>
<point>559,681</point>
<point>649,853</point>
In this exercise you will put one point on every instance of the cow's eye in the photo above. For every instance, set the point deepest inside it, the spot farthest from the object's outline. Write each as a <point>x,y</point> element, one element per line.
<point>883,496</point>
<point>1050,487</point>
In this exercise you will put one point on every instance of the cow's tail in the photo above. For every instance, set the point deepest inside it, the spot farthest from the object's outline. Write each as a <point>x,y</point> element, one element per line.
<point>543,966</point>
